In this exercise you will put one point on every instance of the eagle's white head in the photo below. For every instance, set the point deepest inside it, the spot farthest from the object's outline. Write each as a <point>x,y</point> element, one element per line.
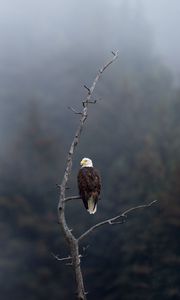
<point>86,162</point>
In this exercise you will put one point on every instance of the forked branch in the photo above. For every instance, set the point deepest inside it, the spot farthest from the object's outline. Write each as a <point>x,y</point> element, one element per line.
<point>115,220</point>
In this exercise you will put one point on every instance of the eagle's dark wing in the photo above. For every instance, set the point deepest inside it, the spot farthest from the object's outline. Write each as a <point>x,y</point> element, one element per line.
<point>89,184</point>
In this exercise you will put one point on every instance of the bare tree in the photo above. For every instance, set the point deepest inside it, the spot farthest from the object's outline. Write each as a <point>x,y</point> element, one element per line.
<point>73,242</point>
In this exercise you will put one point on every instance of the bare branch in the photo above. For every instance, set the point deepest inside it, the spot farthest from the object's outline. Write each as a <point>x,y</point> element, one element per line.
<point>114,53</point>
<point>112,221</point>
<point>138,207</point>
<point>61,259</point>
<point>75,111</point>
<point>92,101</point>
<point>72,198</point>
<point>85,86</point>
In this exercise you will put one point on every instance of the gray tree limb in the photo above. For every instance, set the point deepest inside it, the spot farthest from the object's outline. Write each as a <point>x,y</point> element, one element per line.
<point>72,198</point>
<point>72,242</point>
<point>115,220</point>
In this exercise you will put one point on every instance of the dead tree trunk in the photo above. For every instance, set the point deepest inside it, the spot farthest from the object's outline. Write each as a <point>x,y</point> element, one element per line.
<point>72,242</point>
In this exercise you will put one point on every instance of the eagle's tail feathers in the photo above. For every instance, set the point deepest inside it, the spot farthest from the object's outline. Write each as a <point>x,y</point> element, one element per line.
<point>92,205</point>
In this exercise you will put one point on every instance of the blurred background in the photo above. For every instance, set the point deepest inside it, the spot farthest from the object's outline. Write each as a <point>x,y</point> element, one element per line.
<point>48,51</point>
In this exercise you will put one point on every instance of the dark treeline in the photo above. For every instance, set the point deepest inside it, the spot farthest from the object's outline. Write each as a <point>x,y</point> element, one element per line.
<point>132,135</point>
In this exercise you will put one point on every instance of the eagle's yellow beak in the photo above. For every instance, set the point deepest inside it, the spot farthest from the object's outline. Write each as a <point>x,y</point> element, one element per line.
<point>82,162</point>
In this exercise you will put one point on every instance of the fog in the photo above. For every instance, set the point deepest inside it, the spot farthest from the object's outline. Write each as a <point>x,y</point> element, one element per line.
<point>164,19</point>
<point>43,42</point>
<point>34,33</point>
<point>48,51</point>
<point>37,30</point>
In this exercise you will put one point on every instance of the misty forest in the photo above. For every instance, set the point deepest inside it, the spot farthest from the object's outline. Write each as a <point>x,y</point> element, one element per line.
<point>49,50</point>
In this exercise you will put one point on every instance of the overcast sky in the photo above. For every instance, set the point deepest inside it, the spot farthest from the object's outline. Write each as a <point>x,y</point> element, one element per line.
<point>164,18</point>
<point>45,26</point>
<point>44,43</point>
<point>43,38</point>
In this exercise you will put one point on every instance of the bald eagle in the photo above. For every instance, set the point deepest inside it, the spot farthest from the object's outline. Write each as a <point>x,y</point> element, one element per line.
<point>89,184</point>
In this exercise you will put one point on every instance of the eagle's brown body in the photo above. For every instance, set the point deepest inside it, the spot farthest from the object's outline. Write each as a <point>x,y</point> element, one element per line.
<point>89,184</point>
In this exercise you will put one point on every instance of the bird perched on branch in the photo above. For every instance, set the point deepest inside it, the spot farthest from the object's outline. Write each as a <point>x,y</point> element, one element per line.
<point>89,184</point>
